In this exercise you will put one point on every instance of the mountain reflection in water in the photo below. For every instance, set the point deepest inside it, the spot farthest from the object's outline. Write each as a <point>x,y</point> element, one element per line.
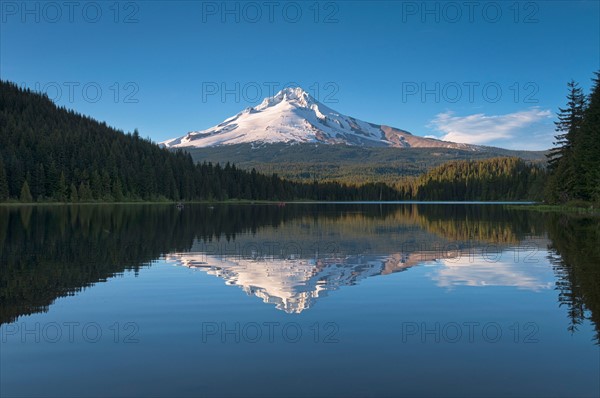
<point>293,283</point>
<point>291,256</point>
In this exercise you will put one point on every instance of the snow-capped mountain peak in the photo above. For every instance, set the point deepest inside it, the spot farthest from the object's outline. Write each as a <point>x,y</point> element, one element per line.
<point>294,116</point>
<point>295,95</point>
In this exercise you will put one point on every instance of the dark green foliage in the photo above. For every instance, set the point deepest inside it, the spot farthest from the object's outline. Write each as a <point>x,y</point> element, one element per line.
<point>25,195</point>
<point>3,182</point>
<point>352,165</point>
<point>491,179</point>
<point>73,195</point>
<point>589,147</point>
<point>575,162</point>
<point>61,192</point>
<point>84,192</point>
<point>568,125</point>
<point>576,260</point>
<point>58,148</point>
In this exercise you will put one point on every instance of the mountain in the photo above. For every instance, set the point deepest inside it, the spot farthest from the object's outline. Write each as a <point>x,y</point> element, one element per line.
<point>299,138</point>
<point>294,116</point>
<point>49,153</point>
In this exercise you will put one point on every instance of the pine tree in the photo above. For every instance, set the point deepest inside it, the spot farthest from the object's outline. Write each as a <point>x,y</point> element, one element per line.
<point>61,190</point>
<point>85,193</point>
<point>587,148</point>
<point>95,185</point>
<point>74,197</point>
<point>565,180</point>
<point>3,182</point>
<point>568,123</point>
<point>38,185</point>
<point>117,190</point>
<point>26,193</point>
<point>52,180</point>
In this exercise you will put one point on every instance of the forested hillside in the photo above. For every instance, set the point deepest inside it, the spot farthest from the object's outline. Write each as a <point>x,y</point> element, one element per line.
<point>55,153</point>
<point>48,153</point>
<point>491,179</point>
<point>348,164</point>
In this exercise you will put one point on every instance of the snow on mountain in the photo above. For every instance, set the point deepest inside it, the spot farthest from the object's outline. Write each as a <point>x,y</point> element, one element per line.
<point>294,116</point>
<point>295,284</point>
<point>292,285</point>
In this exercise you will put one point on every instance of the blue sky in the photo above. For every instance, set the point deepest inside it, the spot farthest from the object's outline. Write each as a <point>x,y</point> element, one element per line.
<point>484,72</point>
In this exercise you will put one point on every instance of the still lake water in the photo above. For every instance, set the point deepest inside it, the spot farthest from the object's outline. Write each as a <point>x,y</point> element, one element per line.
<point>298,300</point>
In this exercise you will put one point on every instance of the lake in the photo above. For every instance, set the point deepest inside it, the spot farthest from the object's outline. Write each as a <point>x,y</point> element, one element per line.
<point>298,300</point>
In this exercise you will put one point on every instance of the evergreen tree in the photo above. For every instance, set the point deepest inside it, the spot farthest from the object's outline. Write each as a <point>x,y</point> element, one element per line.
<point>38,186</point>
<point>85,193</point>
<point>563,183</point>
<point>588,146</point>
<point>96,185</point>
<point>568,123</point>
<point>575,170</point>
<point>26,193</point>
<point>117,190</point>
<point>3,182</point>
<point>490,179</point>
<point>61,190</point>
<point>52,180</point>
<point>73,197</point>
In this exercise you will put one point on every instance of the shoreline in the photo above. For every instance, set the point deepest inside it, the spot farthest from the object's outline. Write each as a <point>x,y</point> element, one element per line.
<point>278,202</point>
<point>544,208</point>
<point>520,205</point>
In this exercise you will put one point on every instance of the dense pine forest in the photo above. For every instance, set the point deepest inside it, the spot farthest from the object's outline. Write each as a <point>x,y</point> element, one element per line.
<point>574,163</point>
<point>491,179</point>
<point>50,153</point>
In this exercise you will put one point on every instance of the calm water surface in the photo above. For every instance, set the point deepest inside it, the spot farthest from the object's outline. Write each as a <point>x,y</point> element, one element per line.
<point>298,300</point>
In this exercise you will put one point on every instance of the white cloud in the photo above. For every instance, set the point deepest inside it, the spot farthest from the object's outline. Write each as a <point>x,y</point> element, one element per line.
<point>480,272</point>
<point>482,129</point>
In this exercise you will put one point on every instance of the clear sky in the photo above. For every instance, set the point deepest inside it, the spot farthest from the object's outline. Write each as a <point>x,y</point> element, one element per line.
<point>484,72</point>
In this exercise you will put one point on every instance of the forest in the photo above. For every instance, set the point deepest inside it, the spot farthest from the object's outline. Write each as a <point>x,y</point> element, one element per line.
<point>574,162</point>
<point>53,154</point>
<point>490,179</point>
